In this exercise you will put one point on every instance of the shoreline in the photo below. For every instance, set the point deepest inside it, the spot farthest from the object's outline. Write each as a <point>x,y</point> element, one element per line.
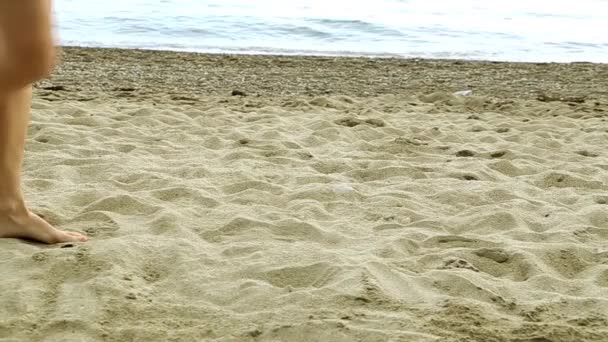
<point>93,72</point>
<point>322,54</point>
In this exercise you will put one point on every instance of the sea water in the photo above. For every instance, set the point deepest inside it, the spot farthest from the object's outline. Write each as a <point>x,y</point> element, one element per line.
<point>511,30</point>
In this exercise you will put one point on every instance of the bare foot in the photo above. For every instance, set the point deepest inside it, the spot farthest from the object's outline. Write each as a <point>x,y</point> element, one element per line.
<point>27,225</point>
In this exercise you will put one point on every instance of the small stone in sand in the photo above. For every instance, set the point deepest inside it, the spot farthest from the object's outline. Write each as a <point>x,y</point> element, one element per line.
<point>498,154</point>
<point>587,154</point>
<point>375,122</point>
<point>465,153</point>
<point>55,88</point>
<point>348,122</point>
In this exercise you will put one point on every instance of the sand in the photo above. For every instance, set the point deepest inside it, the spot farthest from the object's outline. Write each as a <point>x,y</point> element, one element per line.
<point>340,200</point>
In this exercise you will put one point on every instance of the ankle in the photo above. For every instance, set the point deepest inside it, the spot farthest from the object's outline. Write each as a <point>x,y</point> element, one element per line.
<point>12,205</point>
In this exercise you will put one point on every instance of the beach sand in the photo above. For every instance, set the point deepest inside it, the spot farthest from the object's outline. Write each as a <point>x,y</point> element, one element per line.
<point>339,200</point>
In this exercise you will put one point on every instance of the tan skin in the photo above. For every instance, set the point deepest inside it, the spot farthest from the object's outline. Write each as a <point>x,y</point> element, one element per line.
<point>27,54</point>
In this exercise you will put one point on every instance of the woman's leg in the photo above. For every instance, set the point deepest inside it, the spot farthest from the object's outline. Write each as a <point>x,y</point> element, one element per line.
<point>26,55</point>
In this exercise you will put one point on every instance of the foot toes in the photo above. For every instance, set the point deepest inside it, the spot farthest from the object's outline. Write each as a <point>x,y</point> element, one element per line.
<point>63,236</point>
<point>77,236</point>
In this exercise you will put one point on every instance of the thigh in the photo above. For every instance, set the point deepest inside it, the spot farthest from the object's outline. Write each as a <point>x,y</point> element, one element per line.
<point>25,24</point>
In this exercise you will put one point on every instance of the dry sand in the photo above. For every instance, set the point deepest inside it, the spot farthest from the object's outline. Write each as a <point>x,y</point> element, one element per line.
<point>342,200</point>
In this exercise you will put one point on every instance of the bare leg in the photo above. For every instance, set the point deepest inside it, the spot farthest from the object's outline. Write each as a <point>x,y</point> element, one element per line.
<point>26,55</point>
